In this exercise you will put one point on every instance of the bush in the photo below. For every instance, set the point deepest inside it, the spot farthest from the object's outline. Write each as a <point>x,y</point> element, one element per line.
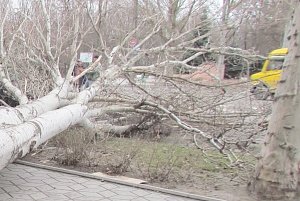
<point>74,145</point>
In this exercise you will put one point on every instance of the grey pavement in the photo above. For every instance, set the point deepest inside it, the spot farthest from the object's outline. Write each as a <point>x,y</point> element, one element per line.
<point>25,183</point>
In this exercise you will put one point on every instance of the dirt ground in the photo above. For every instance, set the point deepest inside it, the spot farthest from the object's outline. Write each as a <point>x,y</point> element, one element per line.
<point>171,160</point>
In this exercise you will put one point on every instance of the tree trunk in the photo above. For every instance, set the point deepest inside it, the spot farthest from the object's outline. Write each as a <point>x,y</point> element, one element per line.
<point>14,116</point>
<point>136,13</point>
<point>172,14</point>
<point>277,171</point>
<point>19,140</point>
<point>223,42</point>
<point>28,126</point>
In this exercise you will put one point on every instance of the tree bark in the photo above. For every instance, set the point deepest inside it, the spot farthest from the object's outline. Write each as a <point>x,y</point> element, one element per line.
<point>26,127</point>
<point>22,113</point>
<point>223,33</point>
<point>277,171</point>
<point>136,13</point>
<point>18,140</point>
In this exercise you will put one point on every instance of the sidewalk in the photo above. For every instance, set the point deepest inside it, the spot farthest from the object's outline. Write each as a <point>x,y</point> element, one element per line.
<point>25,183</point>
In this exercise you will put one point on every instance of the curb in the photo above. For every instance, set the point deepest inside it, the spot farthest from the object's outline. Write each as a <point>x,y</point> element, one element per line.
<point>141,186</point>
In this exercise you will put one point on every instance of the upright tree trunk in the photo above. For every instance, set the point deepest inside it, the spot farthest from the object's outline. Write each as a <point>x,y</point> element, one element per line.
<point>277,171</point>
<point>223,32</point>
<point>285,34</point>
<point>136,13</point>
<point>172,14</point>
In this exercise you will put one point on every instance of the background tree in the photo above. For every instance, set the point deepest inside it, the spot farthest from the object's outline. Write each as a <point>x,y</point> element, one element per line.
<point>203,32</point>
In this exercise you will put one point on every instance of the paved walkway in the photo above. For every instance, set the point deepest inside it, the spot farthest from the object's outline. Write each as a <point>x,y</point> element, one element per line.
<point>24,183</point>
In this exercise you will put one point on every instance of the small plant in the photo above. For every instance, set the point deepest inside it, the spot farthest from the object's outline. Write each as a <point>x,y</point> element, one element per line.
<point>121,166</point>
<point>74,145</point>
<point>161,170</point>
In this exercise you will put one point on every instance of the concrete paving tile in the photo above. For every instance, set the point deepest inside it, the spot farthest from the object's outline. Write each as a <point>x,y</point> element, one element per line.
<point>66,183</point>
<point>11,189</point>
<point>91,190</point>
<point>55,174</point>
<point>36,181</point>
<point>105,199</point>
<point>32,170</point>
<point>44,187</point>
<point>19,195</point>
<point>72,195</point>
<point>25,175</point>
<point>9,168</point>
<point>63,184</point>
<point>59,191</point>
<point>5,170</point>
<point>28,188</point>
<point>6,181</point>
<point>154,195</point>
<point>123,197</point>
<point>140,192</point>
<point>50,181</point>
<point>4,196</point>
<point>139,199</point>
<point>92,186</point>
<point>18,181</point>
<point>95,182</point>
<point>80,180</point>
<point>107,193</point>
<point>88,199</point>
<point>108,186</point>
<point>9,172</point>
<point>56,195</point>
<point>65,180</point>
<point>18,171</point>
<point>37,177</point>
<point>13,166</point>
<point>90,194</point>
<point>61,187</point>
<point>125,188</point>
<point>121,192</point>
<point>38,195</point>
<point>10,175</point>
<point>77,187</point>
<point>19,199</point>
<point>41,175</point>
<point>6,185</point>
<point>32,184</point>
<point>55,199</point>
<point>155,199</point>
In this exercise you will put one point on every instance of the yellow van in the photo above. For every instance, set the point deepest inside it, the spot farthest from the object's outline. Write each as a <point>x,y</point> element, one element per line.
<point>265,82</point>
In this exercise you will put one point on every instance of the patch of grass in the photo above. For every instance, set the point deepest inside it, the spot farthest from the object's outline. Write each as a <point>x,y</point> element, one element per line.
<point>153,161</point>
<point>161,153</point>
<point>157,161</point>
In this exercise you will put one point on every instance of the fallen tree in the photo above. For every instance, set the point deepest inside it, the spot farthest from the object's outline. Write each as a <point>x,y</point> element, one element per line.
<point>45,44</point>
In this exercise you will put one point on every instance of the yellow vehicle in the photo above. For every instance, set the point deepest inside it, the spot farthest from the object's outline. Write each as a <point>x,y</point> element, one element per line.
<point>265,82</point>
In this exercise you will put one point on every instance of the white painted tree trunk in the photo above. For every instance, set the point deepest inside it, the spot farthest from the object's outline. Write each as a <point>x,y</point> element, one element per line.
<point>18,140</point>
<point>14,116</point>
<point>27,126</point>
<point>277,171</point>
